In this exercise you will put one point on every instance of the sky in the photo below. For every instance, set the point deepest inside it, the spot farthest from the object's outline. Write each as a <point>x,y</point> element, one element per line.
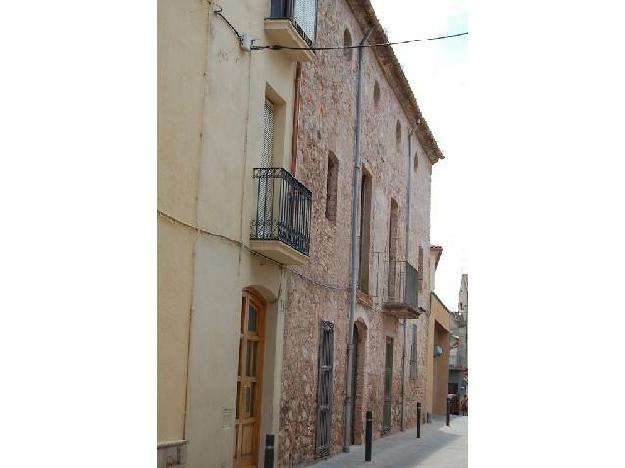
<point>437,72</point>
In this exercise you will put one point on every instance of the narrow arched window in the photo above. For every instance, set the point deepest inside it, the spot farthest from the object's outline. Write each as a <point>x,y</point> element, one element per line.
<point>376,93</point>
<point>332,186</point>
<point>347,42</point>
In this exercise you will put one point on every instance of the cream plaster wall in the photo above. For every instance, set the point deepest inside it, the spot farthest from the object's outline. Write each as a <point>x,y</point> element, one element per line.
<point>222,271</point>
<point>182,30</point>
<point>175,282</point>
<point>234,86</point>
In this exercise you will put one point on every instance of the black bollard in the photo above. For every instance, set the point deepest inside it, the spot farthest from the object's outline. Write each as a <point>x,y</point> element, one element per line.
<point>448,411</point>
<point>269,439</point>
<point>368,435</point>
<point>418,420</point>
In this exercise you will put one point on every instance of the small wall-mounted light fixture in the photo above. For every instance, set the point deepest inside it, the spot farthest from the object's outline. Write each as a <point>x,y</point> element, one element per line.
<point>438,350</point>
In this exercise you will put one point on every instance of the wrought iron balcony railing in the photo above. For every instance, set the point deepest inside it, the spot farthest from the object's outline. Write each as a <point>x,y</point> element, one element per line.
<point>283,209</point>
<point>400,294</point>
<point>301,13</point>
<point>453,361</point>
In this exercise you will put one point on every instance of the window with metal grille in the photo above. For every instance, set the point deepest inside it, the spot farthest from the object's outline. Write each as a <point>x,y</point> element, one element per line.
<point>324,389</point>
<point>413,354</point>
<point>264,215</point>
<point>266,155</point>
<point>305,15</point>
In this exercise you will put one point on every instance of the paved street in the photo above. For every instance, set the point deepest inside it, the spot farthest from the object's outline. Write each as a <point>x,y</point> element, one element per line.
<point>438,447</point>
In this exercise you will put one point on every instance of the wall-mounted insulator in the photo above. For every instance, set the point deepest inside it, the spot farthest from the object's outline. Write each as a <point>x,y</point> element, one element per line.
<point>246,42</point>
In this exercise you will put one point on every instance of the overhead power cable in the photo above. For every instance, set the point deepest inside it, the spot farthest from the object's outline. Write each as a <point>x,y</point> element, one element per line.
<point>218,13</point>
<point>249,250</point>
<point>357,46</point>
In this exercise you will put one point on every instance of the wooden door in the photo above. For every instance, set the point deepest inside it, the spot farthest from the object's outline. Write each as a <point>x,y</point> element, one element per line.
<point>249,381</point>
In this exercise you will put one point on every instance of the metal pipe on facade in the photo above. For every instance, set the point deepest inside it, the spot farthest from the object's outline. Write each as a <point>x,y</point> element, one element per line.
<point>355,250</point>
<point>403,355</point>
<point>296,91</point>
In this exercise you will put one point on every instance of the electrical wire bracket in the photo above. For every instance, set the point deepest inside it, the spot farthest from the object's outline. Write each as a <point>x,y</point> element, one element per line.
<point>246,42</point>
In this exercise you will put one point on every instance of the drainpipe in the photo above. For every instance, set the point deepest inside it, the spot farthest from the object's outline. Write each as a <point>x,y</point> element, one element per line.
<point>355,252</point>
<point>298,76</point>
<point>403,354</point>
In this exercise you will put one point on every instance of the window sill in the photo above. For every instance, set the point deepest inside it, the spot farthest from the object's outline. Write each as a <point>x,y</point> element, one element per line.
<point>364,299</point>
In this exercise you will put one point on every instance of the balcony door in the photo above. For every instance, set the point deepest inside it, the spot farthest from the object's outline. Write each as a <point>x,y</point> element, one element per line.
<point>265,187</point>
<point>392,253</point>
<point>249,382</point>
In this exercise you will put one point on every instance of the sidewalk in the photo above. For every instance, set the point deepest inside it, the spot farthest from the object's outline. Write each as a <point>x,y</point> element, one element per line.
<point>439,447</point>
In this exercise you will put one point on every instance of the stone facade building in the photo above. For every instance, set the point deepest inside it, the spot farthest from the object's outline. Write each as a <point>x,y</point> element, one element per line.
<point>317,293</point>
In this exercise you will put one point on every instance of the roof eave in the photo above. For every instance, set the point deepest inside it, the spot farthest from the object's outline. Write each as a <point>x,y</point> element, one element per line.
<point>365,15</point>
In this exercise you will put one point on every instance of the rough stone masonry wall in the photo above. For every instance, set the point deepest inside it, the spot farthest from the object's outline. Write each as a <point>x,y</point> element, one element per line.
<point>319,290</point>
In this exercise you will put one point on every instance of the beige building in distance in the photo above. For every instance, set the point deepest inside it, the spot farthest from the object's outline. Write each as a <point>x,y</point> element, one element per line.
<point>438,347</point>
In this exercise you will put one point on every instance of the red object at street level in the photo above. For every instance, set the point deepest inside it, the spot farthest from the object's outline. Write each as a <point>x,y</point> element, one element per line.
<point>454,404</point>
